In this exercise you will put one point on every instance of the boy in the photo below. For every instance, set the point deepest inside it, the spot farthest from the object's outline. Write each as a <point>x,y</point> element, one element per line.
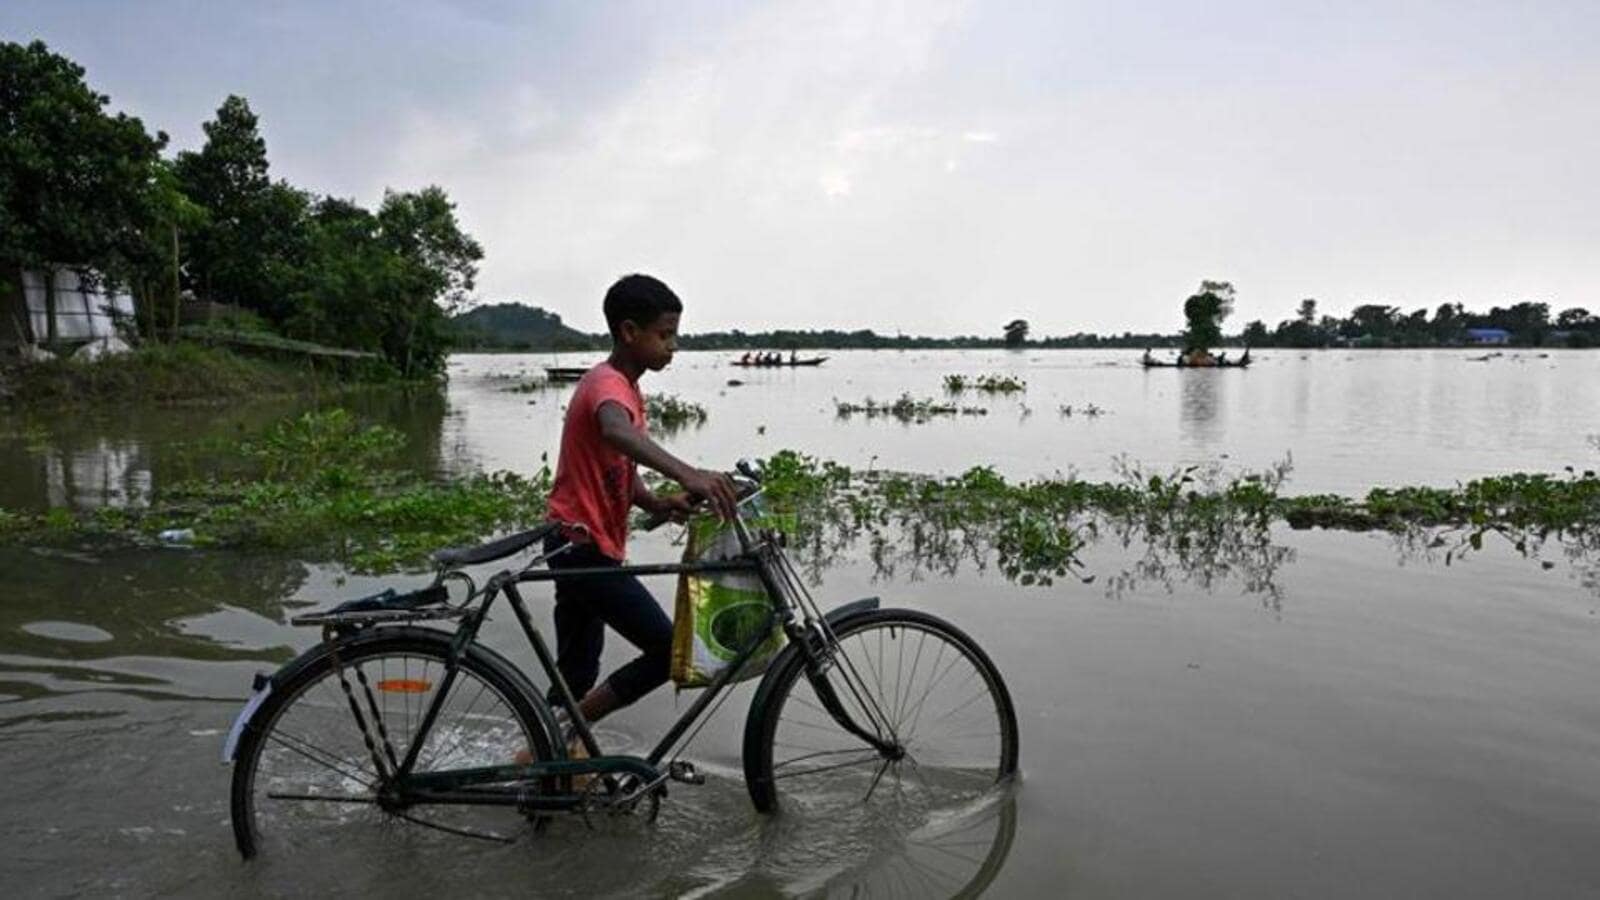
<point>603,438</point>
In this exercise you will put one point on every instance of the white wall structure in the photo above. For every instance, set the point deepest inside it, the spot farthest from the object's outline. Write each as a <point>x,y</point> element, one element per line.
<point>83,312</point>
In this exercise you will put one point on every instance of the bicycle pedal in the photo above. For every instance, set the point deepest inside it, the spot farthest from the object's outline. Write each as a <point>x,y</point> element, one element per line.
<point>678,770</point>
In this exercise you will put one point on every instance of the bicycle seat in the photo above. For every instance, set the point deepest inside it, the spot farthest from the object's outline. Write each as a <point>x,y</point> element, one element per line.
<point>454,557</point>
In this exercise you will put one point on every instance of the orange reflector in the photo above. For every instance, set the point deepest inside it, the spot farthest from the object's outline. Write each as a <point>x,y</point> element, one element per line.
<point>404,686</point>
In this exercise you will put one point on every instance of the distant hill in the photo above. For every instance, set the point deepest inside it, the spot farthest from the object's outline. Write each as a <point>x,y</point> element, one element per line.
<point>516,326</point>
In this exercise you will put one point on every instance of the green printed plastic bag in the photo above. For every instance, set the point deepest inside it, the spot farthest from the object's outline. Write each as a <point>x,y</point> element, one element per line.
<point>717,613</point>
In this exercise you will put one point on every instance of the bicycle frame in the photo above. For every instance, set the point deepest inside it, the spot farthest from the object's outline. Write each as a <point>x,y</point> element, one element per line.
<point>452,786</point>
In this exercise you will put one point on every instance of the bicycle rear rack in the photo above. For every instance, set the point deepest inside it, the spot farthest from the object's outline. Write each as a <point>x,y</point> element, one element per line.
<point>387,606</point>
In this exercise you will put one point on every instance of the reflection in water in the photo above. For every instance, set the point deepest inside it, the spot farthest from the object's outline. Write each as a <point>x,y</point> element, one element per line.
<point>957,855</point>
<point>105,473</point>
<point>139,599</point>
<point>1204,392</point>
<point>122,457</point>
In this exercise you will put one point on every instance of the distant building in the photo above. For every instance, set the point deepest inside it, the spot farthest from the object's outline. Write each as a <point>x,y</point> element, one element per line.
<point>83,313</point>
<point>1488,336</point>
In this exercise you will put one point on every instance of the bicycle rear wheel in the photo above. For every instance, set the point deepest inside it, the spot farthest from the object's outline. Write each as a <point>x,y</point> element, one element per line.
<point>915,681</point>
<point>305,776</point>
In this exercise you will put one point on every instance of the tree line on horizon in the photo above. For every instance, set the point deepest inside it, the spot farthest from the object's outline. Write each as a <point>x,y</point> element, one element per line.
<point>519,326</point>
<point>83,189</point>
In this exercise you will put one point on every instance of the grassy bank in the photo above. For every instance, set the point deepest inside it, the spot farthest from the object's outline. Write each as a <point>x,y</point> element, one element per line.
<point>166,373</point>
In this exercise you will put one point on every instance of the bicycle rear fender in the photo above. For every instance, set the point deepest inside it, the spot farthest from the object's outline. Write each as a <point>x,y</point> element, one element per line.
<point>444,639</point>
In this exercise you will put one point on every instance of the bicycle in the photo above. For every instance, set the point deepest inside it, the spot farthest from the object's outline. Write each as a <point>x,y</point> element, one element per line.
<point>390,722</point>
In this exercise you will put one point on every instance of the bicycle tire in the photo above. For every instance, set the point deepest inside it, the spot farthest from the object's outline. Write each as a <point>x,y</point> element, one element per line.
<point>325,749</point>
<point>786,697</point>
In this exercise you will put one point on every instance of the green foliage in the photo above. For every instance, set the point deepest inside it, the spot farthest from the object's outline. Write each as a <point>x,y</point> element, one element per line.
<point>1204,311</point>
<point>906,409</point>
<point>160,373</point>
<point>324,486</point>
<point>82,187</point>
<point>669,413</point>
<point>989,384</point>
<point>1016,332</point>
<point>1206,522</point>
<point>328,449</point>
<point>77,185</point>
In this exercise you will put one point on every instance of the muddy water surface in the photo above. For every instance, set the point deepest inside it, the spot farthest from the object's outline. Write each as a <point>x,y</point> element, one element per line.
<point>1345,716</point>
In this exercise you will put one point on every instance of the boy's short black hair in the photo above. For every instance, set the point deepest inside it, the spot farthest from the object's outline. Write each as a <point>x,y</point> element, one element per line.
<point>639,299</point>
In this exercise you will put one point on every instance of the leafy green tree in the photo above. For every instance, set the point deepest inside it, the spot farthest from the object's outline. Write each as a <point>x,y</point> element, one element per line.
<point>255,231</point>
<point>1574,318</point>
<point>1256,334</point>
<point>1205,310</point>
<point>1449,321</point>
<point>78,186</point>
<point>1016,332</point>
<point>1375,321</point>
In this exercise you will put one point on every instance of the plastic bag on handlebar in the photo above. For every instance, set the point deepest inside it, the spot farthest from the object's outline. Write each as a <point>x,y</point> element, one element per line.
<point>719,613</point>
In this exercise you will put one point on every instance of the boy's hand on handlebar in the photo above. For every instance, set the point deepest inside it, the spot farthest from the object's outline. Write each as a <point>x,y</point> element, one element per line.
<point>715,488</point>
<point>675,507</point>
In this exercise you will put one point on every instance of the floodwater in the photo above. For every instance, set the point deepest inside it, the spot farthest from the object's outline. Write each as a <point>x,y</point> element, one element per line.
<point>1325,715</point>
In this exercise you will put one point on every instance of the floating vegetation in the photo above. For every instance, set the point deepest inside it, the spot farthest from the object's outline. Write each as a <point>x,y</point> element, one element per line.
<point>326,487</point>
<point>536,386</point>
<point>1088,410</point>
<point>906,409</point>
<point>989,384</point>
<point>1196,520</point>
<point>669,413</point>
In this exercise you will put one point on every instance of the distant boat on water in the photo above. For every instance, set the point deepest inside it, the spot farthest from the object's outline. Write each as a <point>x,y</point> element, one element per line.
<point>564,373</point>
<point>758,364</point>
<point>1207,362</point>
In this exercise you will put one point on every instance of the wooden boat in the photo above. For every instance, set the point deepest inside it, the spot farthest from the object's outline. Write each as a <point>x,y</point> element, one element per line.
<point>564,373</point>
<point>1240,363</point>
<point>756,364</point>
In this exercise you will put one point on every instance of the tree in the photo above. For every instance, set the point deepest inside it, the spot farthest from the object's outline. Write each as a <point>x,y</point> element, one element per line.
<point>1016,332</point>
<point>1308,311</point>
<point>1576,317</point>
<point>1255,334</point>
<point>1372,320</point>
<point>440,263</point>
<point>77,186</point>
<point>1205,311</point>
<point>254,230</point>
<point>1449,321</point>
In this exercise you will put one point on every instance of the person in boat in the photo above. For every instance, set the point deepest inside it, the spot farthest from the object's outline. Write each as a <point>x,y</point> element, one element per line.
<point>1148,359</point>
<point>793,356</point>
<point>745,359</point>
<point>1222,358</point>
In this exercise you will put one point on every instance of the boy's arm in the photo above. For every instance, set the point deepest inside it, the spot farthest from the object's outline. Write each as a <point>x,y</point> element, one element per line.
<point>617,429</point>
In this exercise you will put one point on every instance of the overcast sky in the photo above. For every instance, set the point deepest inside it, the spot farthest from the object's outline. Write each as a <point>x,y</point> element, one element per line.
<point>934,168</point>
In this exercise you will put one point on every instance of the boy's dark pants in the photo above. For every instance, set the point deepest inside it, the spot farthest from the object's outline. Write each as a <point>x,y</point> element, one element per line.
<point>585,606</point>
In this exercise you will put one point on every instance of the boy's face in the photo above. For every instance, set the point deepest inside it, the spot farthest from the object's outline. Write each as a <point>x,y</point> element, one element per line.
<point>652,345</point>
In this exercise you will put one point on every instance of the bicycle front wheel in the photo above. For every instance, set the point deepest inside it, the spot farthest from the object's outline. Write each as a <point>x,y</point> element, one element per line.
<point>928,694</point>
<point>308,771</point>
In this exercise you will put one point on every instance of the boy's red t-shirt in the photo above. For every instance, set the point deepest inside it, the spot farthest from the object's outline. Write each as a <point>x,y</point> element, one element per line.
<point>594,481</point>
